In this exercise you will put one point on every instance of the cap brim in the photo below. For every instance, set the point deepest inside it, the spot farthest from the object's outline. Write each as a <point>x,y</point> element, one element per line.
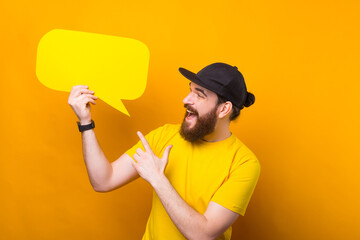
<point>189,75</point>
<point>193,77</point>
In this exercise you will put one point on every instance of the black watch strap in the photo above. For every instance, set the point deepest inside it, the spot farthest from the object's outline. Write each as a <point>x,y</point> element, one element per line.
<point>86,127</point>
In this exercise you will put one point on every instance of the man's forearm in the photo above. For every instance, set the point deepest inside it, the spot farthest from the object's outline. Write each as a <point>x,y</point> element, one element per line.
<point>190,223</point>
<point>98,167</point>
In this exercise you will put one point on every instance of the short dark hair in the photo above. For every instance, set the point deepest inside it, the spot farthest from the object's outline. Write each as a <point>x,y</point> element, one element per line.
<point>235,112</point>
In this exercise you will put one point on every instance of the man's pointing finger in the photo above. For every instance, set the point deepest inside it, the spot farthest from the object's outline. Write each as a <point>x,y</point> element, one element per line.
<point>144,142</point>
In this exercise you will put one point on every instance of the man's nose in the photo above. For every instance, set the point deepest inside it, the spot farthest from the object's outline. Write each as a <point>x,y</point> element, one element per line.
<point>188,99</point>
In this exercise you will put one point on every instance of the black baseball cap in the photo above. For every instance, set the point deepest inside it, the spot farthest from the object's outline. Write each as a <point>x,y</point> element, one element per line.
<point>222,79</point>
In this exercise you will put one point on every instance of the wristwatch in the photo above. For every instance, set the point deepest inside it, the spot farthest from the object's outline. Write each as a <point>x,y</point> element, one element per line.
<point>86,127</point>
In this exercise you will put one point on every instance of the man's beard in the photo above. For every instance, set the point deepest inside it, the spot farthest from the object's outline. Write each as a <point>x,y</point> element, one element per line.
<point>204,125</point>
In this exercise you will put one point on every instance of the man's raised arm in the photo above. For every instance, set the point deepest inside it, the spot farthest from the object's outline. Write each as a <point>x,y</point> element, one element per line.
<point>103,175</point>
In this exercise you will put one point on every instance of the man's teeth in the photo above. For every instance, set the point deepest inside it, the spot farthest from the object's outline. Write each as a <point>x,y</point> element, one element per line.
<point>189,111</point>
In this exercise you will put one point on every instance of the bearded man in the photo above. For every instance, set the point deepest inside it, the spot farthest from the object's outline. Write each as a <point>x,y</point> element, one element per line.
<point>202,175</point>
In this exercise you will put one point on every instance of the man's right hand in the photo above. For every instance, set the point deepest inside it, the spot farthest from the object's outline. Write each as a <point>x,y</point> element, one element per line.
<point>79,100</point>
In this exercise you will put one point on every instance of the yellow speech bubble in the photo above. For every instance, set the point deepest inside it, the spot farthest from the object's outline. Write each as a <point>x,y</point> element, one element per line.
<point>114,67</point>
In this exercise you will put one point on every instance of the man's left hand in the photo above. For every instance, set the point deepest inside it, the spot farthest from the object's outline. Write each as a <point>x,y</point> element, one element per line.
<point>148,165</point>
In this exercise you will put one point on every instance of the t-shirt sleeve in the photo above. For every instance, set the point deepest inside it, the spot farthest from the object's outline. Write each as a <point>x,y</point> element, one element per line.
<point>236,192</point>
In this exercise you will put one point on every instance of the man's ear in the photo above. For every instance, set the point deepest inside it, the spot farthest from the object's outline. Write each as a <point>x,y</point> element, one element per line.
<point>224,109</point>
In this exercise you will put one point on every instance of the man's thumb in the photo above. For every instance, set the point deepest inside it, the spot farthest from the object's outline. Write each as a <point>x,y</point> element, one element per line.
<point>167,152</point>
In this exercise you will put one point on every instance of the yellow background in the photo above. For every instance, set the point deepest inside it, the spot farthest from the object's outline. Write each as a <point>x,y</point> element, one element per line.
<point>300,59</point>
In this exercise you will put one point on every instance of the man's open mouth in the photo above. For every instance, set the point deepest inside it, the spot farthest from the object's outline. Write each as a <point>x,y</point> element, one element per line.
<point>190,114</point>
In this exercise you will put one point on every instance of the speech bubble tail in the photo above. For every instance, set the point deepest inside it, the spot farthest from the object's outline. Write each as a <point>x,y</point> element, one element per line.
<point>118,105</point>
<point>121,107</point>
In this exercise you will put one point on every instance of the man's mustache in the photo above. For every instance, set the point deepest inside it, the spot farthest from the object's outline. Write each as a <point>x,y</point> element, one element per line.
<point>191,109</point>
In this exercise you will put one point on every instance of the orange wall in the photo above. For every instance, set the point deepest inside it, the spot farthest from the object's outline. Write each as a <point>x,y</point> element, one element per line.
<point>300,59</point>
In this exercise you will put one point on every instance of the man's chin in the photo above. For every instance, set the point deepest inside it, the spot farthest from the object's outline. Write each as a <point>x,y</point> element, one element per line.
<point>190,125</point>
<point>189,131</point>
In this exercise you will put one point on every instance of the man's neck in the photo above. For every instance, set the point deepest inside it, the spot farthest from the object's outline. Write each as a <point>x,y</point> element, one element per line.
<point>220,133</point>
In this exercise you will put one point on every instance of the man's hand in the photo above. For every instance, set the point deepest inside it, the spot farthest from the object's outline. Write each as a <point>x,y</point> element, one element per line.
<point>148,165</point>
<point>79,100</point>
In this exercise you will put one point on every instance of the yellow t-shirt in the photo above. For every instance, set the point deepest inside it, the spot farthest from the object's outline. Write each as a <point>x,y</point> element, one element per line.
<point>224,172</point>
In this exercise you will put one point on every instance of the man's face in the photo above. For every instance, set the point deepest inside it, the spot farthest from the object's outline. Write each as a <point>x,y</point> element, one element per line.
<point>201,113</point>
